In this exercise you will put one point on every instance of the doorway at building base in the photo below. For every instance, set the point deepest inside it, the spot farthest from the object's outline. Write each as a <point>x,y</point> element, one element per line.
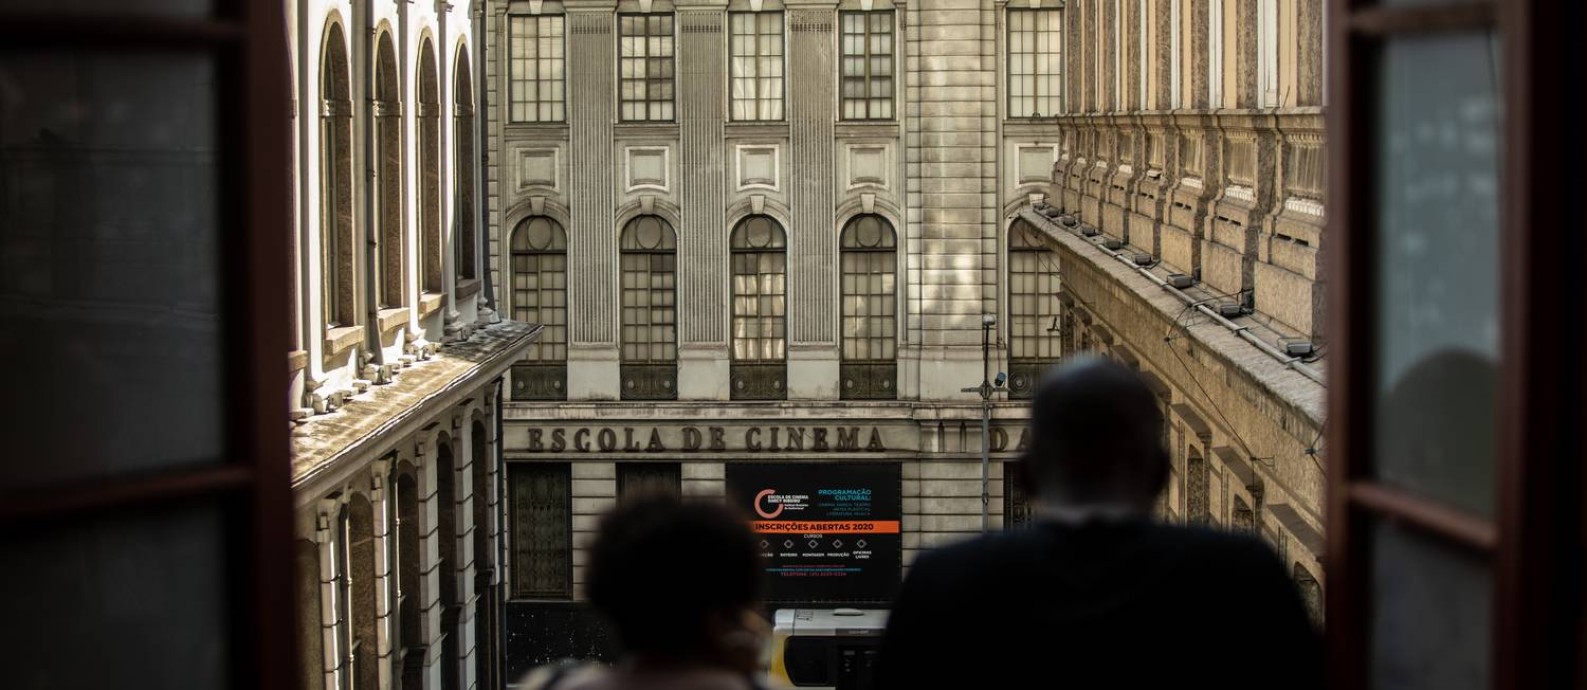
<point>828,532</point>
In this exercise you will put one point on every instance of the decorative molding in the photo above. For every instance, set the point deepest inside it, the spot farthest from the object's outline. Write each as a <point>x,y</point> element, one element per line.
<point>647,167</point>
<point>759,166</point>
<point>538,167</point>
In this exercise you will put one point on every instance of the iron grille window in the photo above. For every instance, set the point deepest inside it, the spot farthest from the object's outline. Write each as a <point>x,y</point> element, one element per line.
<point>1035,62</point>
<point>542,564</point>
<point>536,64</point>
<point>641,478</point>
<point>1197,508</point>
<point>1017,509</point>
<point>1032,296</point>
<point>540,285</point>
<point>757,65</point>
<point>760,277</point>
<point>867,65</point>
<point>870,301</point>
<point>647,67</point>
<point>649,264</point>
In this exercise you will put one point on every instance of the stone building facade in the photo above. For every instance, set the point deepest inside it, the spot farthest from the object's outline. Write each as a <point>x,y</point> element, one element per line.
<point>395,384</point>
<point>1187,209</point>
<point>770,218</point>
<point>751,217</point>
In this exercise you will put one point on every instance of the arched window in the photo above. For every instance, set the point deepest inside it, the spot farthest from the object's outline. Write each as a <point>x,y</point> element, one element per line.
<point>387,187</point>
<point>760,327</point>
<point>869,251</point>
<point>650,334</point>
<point>465,247</point>
<point>1032,308</point>
<point>540,295</point>
<point>336,186</point>
<point>430,248</point>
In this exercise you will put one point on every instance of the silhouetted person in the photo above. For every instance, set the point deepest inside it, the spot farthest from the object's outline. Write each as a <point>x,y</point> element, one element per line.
<point>1096,594</point>
<point>677,581</point>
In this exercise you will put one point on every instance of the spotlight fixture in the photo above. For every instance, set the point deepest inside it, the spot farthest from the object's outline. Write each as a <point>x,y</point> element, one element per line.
<point>1180,281</point>
<point>1143,259</point>
<point>1113,244</point>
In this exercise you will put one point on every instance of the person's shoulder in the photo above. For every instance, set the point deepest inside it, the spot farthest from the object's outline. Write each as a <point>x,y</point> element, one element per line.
<point>1232,554</point>
<point>978,552</point>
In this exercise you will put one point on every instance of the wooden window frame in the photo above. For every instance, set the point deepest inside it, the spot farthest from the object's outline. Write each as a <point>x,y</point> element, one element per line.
<point>1534,542</point>
<point>248,38</point>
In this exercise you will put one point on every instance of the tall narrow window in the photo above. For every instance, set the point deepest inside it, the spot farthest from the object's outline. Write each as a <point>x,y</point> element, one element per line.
<point>541,510</point>
<point>1198,509</point>
<point>540,295</point>
<point>867,65</point>
<point>760,277</point>
<point>635,479</point>
<point>1035,62</point>
<point>536,64</point>
<point>869,258</point>
<point>390,230</point>
<point>646,67</point>
<point>757,65</point>
<point>650,316</point>
<point>1267,53</point>
<point>430,249</point>
<point>336,186</point>
<point>465,231</point>
<point>1016,503</point>
<point>1032,309</point>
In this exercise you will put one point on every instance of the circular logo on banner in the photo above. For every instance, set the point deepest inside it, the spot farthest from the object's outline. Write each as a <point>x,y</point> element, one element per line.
<point>767,514</point>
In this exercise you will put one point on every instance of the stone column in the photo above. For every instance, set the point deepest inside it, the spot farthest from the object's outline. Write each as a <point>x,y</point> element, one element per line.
<point>462,571</point>
<point>429,590</point>
<point>330,598</point>
<point>951,130</point>
<point>592,238</point>
<point>812,237</point>
<point>594,491</point>
<point>385,594</point>
<point>703,240</point>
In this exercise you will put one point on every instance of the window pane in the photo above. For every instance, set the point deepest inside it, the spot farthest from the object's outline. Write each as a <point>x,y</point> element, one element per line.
<point>109,264</point>
<point>1438,272</point>
<point>1431,614</point>
<point>140,597</point>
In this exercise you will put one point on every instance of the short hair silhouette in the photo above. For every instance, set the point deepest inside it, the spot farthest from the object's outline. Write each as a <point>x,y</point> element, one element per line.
<point>1096,435</point>
<point>661,568</point>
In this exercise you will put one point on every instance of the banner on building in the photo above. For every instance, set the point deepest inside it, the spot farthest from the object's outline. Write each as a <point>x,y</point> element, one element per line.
<point>828,532</point>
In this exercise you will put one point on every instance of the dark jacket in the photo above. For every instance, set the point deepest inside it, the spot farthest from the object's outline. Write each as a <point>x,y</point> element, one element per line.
<point>1104,605</point>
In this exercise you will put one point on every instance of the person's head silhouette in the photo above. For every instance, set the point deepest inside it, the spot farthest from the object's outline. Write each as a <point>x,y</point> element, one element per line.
<point>677,580</point>
<point>1096,438</point>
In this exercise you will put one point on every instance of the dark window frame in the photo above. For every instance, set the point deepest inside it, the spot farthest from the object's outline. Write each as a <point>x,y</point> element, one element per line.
<point>1533,542</point>
<point>248,37</point>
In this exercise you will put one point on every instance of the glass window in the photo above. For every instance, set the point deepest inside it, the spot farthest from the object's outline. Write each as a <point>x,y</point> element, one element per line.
<point>867,69</point>
<point>541,526</point>
<point>336,186</point>
<point>870,298</point>
<point>540,285</point>
<point>1032,297</point>
<point>1035,62</point>
<point>649,266</point>
<point>757,64</point>
<point>646,88</point>
<point>760,277</point>
<point>641,478</point>
<point>1438,270</point>
<point>536,65</point>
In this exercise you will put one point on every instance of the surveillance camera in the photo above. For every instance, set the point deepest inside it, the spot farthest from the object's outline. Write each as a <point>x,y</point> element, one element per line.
<point>988,320</point>
<point>1001,378</point>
